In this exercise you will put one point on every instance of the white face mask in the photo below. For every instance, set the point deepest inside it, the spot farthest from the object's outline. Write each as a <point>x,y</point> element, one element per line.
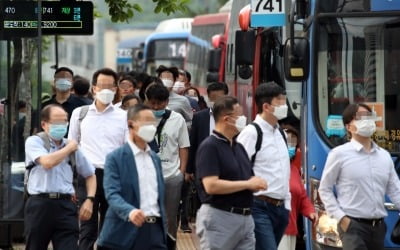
<point>194,98</point>
<point>241,122</point>
<point>178,87</point>
<point>147,132</point>
<point>167,82</point>
<point>365,128</point>
<point>105,96</point>
<point>280,112</point>
<point>210,104</point>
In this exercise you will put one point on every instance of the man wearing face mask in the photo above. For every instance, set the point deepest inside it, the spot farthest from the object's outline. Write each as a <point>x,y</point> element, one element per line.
<point>134,188</point>
<point>362,173</point>
<point>271,207</point>
<point>50,211</point>
<point>63,78</point>
<point>177,103</point>
<point>226,183</point>
<point>172,145</point>
<point>102,130</point>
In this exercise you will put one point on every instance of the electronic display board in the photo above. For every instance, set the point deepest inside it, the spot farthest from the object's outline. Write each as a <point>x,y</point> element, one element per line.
<point>19,18</point>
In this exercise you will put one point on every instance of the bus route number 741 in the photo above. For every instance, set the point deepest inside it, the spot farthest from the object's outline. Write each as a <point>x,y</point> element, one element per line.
<point>267,13</point>
<point>268,6</point>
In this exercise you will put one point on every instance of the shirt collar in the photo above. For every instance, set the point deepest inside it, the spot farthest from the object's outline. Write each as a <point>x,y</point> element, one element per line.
<point>221,137</point>
<point>358,146</point>
<point>265,124</point>
<point>53,143</point>
<point>137,150</point>
<point>110,107</point>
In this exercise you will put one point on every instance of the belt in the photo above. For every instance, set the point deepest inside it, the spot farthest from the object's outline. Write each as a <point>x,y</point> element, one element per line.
<point>152,219</point>
<point>236,210</point>
<point>371,222</point>
<point>53,196</point>
<point>270,200</point>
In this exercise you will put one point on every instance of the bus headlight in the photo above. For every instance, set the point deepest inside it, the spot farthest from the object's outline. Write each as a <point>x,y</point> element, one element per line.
<point>325,232</point>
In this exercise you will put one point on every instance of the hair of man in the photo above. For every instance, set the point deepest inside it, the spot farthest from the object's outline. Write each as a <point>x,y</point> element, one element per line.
<point>173,70</point>
<point>265,92</point>
<point>61,69</point>
<point>81,86</point>
<point>157,91</point>
<point>46,112</point>
<point>107,72</point>
<point>349,113</point>
<point>133,113</point>
<point>217,86</point>
<point>224,106</point>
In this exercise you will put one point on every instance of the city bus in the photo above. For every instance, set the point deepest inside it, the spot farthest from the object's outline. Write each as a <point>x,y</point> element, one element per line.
<point>327,54</point>
<point>130,54</point>
<point>171,49</point>
<point>211,28</point>
<point>353,57</point>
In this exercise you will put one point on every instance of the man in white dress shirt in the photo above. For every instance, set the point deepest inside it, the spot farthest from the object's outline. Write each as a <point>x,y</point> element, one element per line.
<point>102,130</point>
<point>271,207</point>
<point>362,173</point>
<point>134,188</point>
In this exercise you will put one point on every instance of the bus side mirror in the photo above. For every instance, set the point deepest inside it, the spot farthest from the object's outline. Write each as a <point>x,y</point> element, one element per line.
<point>138,54</point>
<point>244,47</point>
<point>296,59</point>
<point>214,59</point>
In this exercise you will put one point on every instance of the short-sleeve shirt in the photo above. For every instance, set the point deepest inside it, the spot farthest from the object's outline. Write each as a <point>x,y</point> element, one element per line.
<point>174,136</point>
<point>217,157</point>
<point>57,179</point>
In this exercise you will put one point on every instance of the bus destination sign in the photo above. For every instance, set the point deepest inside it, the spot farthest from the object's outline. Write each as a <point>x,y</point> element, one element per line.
<point>20,18</point>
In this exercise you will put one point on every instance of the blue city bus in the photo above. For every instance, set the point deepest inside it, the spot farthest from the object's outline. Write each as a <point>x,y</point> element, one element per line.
<point>127,54</point>
<point>326,54</point>
<point>348,54</point>
<point>171,49</point>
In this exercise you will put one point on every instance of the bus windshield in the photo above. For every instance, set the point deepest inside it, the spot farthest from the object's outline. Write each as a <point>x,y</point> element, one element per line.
<point>358,60</point>
<point>168,52</point>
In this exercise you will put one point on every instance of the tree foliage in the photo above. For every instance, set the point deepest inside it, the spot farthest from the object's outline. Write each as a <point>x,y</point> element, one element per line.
<point>124,10</point>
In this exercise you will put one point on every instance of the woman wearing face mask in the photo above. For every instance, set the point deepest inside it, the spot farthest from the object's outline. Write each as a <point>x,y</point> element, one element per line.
<point>194,93</point>
<point>300,203</point>
<point>361,173</point>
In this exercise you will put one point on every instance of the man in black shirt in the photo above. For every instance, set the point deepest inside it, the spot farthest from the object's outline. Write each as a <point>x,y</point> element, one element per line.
<point>62,86</point>
<point>226,183</point>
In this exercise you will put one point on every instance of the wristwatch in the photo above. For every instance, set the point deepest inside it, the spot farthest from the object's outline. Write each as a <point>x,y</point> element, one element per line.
<point>90,198</point>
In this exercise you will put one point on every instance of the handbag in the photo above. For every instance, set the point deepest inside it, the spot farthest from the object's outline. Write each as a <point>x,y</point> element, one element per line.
<point>395,236</point>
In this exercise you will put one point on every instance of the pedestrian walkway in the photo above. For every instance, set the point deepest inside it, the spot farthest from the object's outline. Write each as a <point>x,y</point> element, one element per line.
<point>185,241</point>
<point>188,241</point>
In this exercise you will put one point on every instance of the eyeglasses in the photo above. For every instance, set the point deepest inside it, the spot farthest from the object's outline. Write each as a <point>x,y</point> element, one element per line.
<point>105,85</point>
<point>366,115</point>
<point>125,85</point>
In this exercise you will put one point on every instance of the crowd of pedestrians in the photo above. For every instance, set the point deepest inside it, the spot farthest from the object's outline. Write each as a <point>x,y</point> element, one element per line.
<point>124,152</point>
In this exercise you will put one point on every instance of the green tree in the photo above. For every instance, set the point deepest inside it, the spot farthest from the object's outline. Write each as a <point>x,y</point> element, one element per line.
<point>124,10</point>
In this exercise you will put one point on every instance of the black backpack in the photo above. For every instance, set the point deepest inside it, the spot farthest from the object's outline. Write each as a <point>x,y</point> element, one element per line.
<point>259,140</point>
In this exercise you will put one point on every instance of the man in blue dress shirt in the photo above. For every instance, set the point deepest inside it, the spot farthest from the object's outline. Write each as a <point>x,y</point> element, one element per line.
<point>50,211</point>
<point>362,173</point>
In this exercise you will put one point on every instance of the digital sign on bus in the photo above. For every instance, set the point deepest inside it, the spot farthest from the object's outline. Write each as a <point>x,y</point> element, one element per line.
<point>20,18</point>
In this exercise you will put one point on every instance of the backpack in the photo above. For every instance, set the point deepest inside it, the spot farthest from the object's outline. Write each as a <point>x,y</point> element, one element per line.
<point>154,144</point>
<point>72,159</point>
<point>72,162</point>
<point>259,140</point>
<point>82,114</point>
